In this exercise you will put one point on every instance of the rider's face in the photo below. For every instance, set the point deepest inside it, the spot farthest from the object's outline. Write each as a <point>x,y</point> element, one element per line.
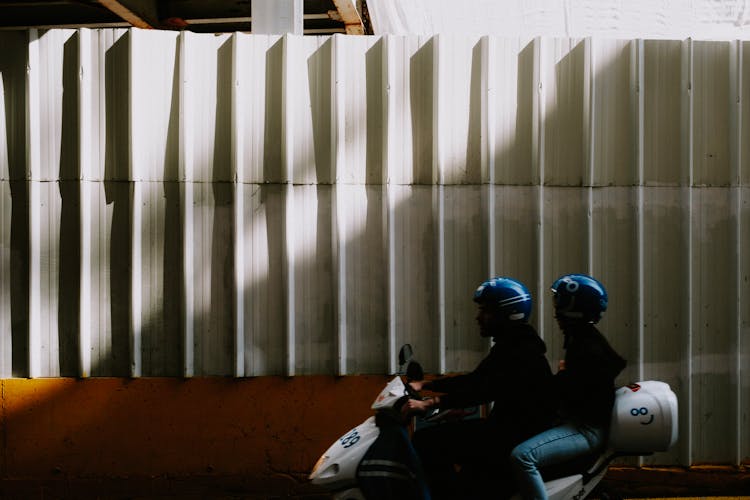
<point>564,322</point>
<point>486,320</point>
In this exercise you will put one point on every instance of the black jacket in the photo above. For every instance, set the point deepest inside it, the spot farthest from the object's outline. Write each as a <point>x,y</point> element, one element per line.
<point>586,386</point>
<point>515,375</point>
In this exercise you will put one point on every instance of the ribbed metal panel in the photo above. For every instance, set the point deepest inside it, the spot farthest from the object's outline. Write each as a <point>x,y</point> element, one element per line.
<point>741,328</point>
<point>179,204</point>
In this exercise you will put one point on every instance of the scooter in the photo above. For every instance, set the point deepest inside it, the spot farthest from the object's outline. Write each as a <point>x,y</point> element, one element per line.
<point>644,421</point>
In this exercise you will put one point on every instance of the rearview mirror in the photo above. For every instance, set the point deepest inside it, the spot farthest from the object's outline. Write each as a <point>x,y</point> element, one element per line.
<point>405,354</point>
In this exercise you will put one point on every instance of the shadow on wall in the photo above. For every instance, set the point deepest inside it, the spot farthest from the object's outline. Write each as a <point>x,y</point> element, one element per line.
<point>210,414</point>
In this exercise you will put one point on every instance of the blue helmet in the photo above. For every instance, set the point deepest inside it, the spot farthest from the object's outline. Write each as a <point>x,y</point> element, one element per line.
<point>510,297</point>
<point>579,297</point>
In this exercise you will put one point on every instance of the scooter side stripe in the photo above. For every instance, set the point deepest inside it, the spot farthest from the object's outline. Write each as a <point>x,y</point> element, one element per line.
<point>387,463</point>
<point>394,475</point>
<point>384,468</point>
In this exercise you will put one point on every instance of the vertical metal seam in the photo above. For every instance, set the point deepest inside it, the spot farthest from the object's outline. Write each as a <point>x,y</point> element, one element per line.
<point>287,144</point>
<point>136,278</point>
<point>32,164</point>
<point>84,212</point>
<point>589,97</point>
<point>388,200</point>
<point>736,82</point>
<point>489,146</point>
<point>638,58</point>
<point>538,157</point>
<point>740,159</point>
<point>688,53</point>
<point>187,177</point>
<point>638,75</point>
<point>237,151</point>
<point>338,227</point>
<point>438,179</point>
<point>6,365</point>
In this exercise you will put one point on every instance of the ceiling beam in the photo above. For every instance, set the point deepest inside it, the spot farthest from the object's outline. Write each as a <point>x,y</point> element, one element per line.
<point>139,13</point>
<point>349,15</point>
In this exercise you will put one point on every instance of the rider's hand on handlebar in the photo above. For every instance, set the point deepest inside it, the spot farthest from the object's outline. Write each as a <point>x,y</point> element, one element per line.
<point>417,405</point>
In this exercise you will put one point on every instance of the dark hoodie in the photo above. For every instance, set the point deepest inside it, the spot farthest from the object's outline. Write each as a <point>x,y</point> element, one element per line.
<point>515,375</point>
<point>586,387</point>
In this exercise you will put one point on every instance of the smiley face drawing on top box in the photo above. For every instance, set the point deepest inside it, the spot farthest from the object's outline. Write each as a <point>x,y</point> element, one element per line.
<point>644,417</point>
<point>643,411</point>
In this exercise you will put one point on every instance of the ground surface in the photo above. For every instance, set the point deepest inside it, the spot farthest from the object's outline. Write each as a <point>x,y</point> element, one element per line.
<point>726,483</point>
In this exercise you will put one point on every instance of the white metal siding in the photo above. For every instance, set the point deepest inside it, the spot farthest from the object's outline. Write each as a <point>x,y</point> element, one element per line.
<point>184,204</point>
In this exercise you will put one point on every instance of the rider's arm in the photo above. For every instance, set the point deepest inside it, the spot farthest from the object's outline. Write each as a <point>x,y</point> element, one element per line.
<point>470,389</point>
<point>424,404</point>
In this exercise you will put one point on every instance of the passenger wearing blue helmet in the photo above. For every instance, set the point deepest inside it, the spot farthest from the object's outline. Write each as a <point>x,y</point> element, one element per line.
<point>584,385</point>
<point>515,375</point>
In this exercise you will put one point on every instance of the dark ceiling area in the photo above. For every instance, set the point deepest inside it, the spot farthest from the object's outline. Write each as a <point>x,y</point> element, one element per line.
<point>321,17</point>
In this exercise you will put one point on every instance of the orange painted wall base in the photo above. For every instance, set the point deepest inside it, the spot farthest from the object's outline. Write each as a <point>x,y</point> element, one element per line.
<point>267,431</point>
<point>256,437</point>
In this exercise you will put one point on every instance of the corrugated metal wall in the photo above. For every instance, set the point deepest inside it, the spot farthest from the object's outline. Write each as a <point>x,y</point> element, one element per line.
<point>177,204</point>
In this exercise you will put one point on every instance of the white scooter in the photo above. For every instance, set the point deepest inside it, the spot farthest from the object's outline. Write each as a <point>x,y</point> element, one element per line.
<point>644,421</point>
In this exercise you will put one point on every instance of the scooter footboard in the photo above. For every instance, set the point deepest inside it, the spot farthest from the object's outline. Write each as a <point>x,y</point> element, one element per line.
<point>570,467</point>
<point>579,485</point>
<point>566,481</point>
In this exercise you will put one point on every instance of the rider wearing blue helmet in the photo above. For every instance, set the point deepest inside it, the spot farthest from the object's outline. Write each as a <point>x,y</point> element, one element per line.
<point>584,385</point>
<point>515,375</point>
<point>507,299</point>
<point>579,298</point>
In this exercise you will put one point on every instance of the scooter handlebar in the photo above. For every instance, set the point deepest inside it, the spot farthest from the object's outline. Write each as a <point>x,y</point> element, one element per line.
<point>411,392</point>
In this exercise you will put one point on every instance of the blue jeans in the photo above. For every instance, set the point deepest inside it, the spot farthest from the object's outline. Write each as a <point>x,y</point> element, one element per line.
<point>553,446</point>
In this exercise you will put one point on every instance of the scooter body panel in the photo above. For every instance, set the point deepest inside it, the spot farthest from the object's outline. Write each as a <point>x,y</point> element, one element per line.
<point>568,487</point>
<point>565,487</point>
<point>337,467</point>
<point>572,487</point>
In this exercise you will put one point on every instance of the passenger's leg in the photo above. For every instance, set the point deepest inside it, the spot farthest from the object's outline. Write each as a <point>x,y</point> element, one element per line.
<point>554,446</point>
